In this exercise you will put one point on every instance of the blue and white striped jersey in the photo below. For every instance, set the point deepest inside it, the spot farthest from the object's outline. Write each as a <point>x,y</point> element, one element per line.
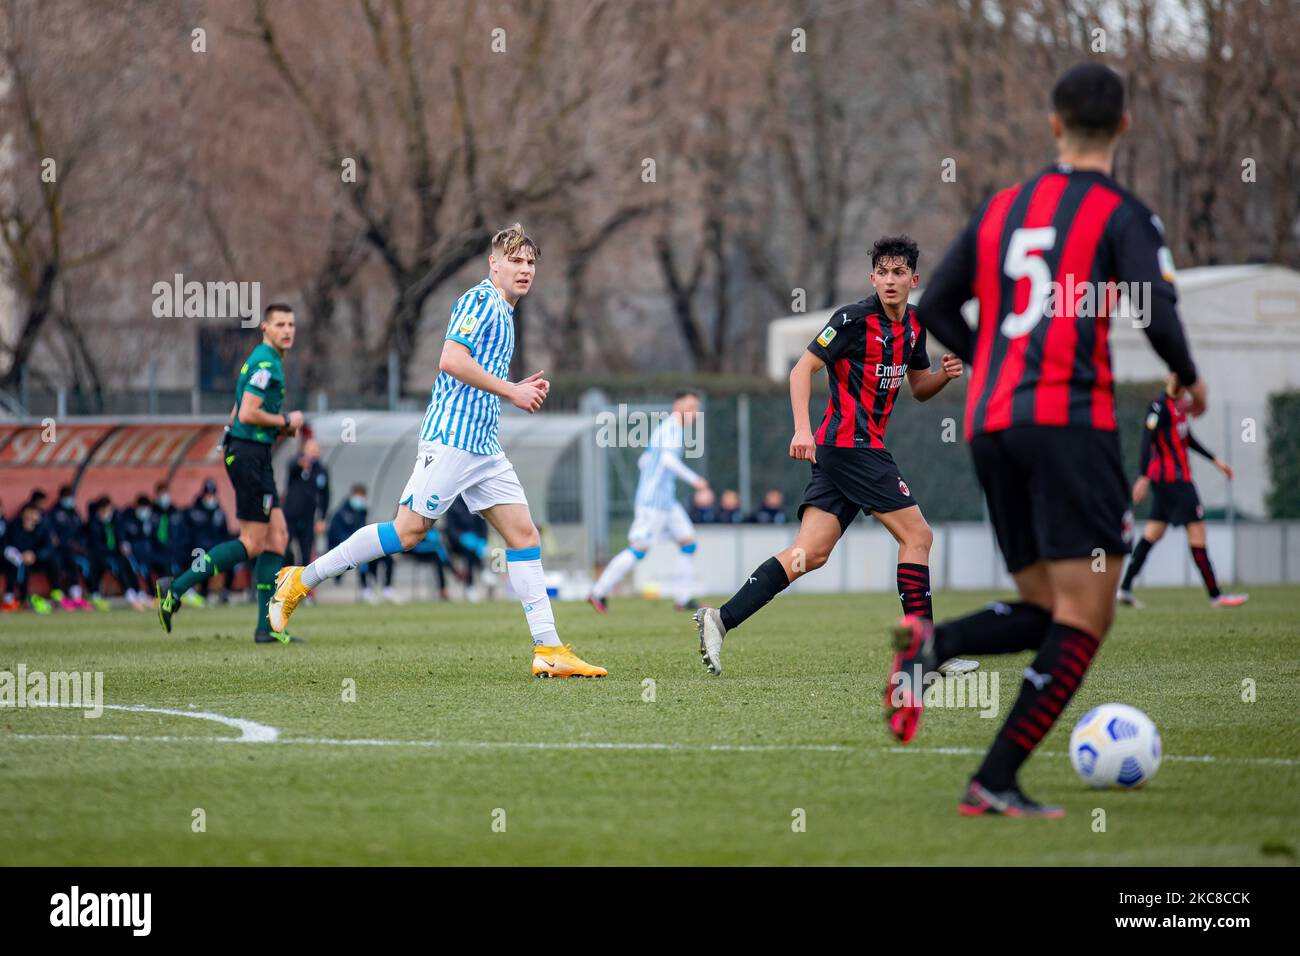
<point>459,414</point>
<point>661,465</point>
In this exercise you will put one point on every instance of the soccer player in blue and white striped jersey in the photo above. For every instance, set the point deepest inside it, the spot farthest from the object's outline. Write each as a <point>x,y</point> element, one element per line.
<point>459,454</point>
<point>658,513</point>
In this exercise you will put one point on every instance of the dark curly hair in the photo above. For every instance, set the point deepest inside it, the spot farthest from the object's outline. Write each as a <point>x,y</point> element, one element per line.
<point>896,247</point>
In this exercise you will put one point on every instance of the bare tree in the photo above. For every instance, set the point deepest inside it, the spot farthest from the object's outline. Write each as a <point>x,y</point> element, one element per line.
<point>79,190</point>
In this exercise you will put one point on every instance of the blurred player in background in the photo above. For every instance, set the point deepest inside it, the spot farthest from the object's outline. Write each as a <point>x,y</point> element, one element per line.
<point>306,502</point>
<point>169,533</point>
<point>107,547</point>
<point>70,539</point>
<point>658,513</point>
<point>1040,419</point>
<point>30,549</point>
<point>867,349</point>
<point>255,423</point>
<point>139,525</point>
<point>206,527</point>
<point>1166,471</point>
<point>459,455</point>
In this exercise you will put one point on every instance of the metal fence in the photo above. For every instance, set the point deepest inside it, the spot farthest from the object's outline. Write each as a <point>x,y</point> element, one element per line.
<point>746,440</point>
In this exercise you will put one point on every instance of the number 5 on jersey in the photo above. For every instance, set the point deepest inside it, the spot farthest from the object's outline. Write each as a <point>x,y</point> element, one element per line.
<point>1025,261</point>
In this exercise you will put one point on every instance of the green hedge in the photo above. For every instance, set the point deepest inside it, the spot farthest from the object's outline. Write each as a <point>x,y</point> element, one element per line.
<point>1284,455</point>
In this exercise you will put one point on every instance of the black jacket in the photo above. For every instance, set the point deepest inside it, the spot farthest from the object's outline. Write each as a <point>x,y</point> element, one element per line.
<point>68,527</point>
<point>307,497</point>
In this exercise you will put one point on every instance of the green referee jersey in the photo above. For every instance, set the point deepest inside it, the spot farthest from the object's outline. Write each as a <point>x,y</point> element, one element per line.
<point>262,374</point>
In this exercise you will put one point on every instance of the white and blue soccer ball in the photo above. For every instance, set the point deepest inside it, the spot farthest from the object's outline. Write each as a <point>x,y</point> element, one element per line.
<point>1115,745</point>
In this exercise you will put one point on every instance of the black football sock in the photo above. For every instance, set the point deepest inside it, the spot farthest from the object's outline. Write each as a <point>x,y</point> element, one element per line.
<point>1135,564</point>
<point>914,590</point>
<point>996,629</point>
<point>767,581</point>
<point>1207,571</point>
<point>1050,681</point>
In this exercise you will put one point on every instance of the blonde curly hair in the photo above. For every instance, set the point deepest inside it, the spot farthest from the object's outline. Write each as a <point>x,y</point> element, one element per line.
<point>511,239</point>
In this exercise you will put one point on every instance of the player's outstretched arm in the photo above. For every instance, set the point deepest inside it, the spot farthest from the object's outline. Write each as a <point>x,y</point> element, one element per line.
<point>673,462</point>
<point>1141,257</point>
<point>802,446</point>
<point>950,286</point>
<point>1204,452</point>
<point>527,395</point>
<point>926,384</point>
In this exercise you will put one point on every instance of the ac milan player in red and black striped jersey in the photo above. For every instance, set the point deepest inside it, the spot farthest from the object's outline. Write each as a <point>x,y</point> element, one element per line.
<point>1044,259</point>
<point>1166,470</point>
<point>868,349</point>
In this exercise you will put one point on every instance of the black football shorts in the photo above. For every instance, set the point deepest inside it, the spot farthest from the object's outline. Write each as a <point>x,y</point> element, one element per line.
<point>846,481</point>
<point>1054,492</point>
<point>1176,503</point>
<point>248,464</point>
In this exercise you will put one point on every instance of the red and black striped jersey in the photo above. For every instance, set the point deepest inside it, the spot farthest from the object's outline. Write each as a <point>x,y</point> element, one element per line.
<point>867,356</point>
<point>1166,440</point>
<point>1046,260</point>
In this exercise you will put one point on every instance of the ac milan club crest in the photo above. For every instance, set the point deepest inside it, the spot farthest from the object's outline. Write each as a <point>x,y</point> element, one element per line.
<point>902,486</point>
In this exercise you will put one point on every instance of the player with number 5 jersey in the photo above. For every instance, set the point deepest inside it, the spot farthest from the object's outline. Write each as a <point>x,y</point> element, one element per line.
<point>459,455</point>
<point>1044,260</point>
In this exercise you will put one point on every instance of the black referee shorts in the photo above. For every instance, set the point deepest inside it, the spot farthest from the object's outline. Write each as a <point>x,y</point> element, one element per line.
<point>846,481</point>
<point>1054,493</point>
<point>1175,503</point>
<point>248,464</point>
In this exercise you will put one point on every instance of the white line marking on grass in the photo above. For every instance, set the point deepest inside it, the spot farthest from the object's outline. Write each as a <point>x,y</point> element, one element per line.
<point>1177,758</point>
<point>253,732</point>
<point>250,731</point>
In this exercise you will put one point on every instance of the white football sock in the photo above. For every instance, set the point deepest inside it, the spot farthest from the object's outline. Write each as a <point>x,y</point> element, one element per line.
<point>615,571</point>
<point>364,545</point>
<point>684,575</point>
<point>524,565</point>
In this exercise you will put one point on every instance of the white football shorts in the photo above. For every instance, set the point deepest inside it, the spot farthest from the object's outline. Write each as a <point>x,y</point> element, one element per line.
<point>651,524</point>
<point>443,473</point>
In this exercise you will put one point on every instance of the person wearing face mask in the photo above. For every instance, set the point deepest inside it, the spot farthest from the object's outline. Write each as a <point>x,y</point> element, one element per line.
<point>139,525</point>
<point>72,556</point>
<point>350,516</point>
<point>30,550</point>
<point>168,542</point>
<point>206,527</point>
<point>306,503</point>
<point>108,555</point>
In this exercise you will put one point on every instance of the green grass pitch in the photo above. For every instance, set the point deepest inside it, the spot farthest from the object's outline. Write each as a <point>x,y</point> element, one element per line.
<point>453,754</point>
